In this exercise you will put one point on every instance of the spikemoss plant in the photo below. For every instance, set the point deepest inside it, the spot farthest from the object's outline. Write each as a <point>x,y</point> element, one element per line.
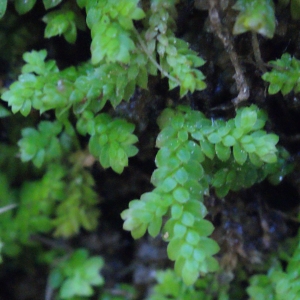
<point>278,284</point>
<point>131,40</point>
<point>194,154</point>
<point>284,76</point>
<point>255,15</point>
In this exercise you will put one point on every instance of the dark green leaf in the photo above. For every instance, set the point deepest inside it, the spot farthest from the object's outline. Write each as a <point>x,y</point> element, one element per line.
<point>4,112</point>
<point>219,178</point>
<point>3,5</point>
<point>51,3</point>
<point>24,6</point>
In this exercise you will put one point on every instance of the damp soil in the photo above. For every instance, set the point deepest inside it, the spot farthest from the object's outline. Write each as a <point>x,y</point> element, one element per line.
<point>250,225</point>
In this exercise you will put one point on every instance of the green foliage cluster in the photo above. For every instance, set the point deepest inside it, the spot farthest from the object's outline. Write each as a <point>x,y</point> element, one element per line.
<point>111,25</point>
<point>259,15</point>
<point>278,284</point>
<point>255,15</point>
<point>195,153</point>
<point>64,21</point>
<point>23,7</point>
<point>111,139</point>
<point>40,86</point>
<point>42,145</point>
<point>61,202</point>
<point>170,286</point>
<point>284,76</point>
<point>176,58</point>
<point>77,275</point>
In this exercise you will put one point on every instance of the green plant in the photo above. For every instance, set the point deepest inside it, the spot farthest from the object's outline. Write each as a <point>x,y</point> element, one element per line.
<point>194,154</point>
<point>111,140</point>
<point>284,75</point>
<point>76,275</point>
<point>170,286</point>
<point>257,16</point>
<point>76,107</point>
<point>278,284</point>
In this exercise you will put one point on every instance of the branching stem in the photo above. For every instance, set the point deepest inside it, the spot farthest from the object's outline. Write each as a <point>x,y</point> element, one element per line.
<point>158,66</point>
<point>225,37</point>
<point>257,54</point>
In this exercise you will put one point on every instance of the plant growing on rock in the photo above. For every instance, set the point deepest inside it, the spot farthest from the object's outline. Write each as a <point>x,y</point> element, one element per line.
<point>68,109</point>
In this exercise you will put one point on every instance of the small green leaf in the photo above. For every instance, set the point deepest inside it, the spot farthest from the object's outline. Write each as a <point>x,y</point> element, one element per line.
<point>24,6</point>
<point>174,248</point>
<point>228,140</point>
<point>192,237</point>
<point>61,22</point>
<point>155,226</point>
<point>77,275</point>
<point>255,160</point>
<point>274,88</point>
<point>181,195</point>
<point>183,135</point>
<point>270,158</point>
<point>186,250</point>
<point>248,118</point>
<point>3,5</point>
<point>237,133</point>
<point>223,190</point>
<point>187,219</point>
<point>204,228</point>
<point>168,184</point>
<point>208,149</point>
<point>214,138</point>
<point>219,178</point>
<point>138,14</point>
<point>199,255</point>
<point>138,232</point>
<point>181,176</point>
<point>184,155</point>
<point>209,246</point>
<point>255,15</point>
<point>176,211</point>
<point>74,286</point>
<point>223,152</point>
<point>190,272</point>
<point>179,230</point>
<point>239,154</point>
<point>4,112</point>
<point>26,108</point>
<point>81,3</point>
<point>195,151</point>
<point>51,3</point>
